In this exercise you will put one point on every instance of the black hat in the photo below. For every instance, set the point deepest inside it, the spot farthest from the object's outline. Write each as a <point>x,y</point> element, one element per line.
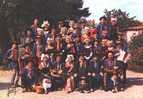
<point>103,17</point>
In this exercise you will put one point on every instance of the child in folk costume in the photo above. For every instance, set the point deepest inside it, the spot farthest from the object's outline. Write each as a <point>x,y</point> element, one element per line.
<point>110,71</point>
<point>69,67</point>
<point>96,81</point>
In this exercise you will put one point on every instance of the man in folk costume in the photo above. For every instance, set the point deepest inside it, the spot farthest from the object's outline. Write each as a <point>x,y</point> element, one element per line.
<point>78,46</point>
<point>28,77</point>
<point>15,66</point>
<point>114,28</point>
<point>121,62</point>
<point>102,26</point>
<point>98,50</point>
<point>28,38</point>
<point>95,66</point>
<point>46,30</point>
<point>34,27</point>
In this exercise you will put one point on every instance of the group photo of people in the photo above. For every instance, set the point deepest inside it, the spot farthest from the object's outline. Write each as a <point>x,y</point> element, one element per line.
<point>74,55</point>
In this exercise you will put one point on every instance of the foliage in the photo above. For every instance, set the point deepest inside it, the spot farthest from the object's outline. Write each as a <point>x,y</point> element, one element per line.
<point>136,47</point>
<point>16,14</point>
<point>137,42</point>
<point>124,20</point>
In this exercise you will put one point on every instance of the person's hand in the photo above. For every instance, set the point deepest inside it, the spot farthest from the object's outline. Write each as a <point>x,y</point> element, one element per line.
<point>89,74</point>
<point>60,72</point>
<point>116,67</point>
<point>93,74</point>
<point>75,75</point>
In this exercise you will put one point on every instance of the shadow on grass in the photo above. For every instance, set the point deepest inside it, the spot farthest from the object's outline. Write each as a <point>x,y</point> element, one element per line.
<point>134,82</point>
<point>4,86</point>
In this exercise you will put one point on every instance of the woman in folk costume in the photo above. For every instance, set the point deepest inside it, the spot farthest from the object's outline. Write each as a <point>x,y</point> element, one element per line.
<point>25,57</point>
<point>59,44</point>
<point>104,48</point>
<point>46,29</point>
<point>114,28</point>
<point>53,34</point>
<point>70,70</point>
<point>93,34</point>
<point>61,24</point>
<point>84,75</point>
<point>71,24</point>
<point>78,46</point>
<point>44,69</point>
<point>38,47</point>
<point>28,39</point>
<point>58,72</point>
<point>69,46</point>
<point>87,50</point>
<point>63,32</point>
<point>50,47</point>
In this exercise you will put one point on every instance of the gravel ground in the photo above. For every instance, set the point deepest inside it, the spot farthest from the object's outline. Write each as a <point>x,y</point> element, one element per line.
<point>134,90</point>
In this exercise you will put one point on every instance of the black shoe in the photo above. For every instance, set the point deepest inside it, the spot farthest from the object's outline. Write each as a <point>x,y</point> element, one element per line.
<point>105,89</point>
<point>81,91</point>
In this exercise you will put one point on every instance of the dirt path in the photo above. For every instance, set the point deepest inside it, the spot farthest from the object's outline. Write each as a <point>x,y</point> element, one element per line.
<point>134,90</point>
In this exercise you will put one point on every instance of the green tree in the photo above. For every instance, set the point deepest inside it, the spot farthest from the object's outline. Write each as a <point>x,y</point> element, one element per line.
<point>136,49</point>
<point>124,20</point>
<point>18,14</point>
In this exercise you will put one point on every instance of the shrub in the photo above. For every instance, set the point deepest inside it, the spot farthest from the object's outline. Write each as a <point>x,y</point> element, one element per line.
<point>136,47</point>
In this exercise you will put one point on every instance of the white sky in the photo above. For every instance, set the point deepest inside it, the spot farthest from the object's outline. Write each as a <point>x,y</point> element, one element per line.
<point>96,7</point>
